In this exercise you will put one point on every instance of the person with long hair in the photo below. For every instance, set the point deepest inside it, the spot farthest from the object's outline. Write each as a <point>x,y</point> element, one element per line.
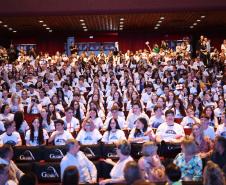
<point>212,119</point>
<point>93,115</point>
<point>15,104</point>
<point>36,136</point>
<point>52,113</point>
<point>21,124</point>
<point>46,121</point>
<point>88,134</point>
<point>141,133</point>
<point>70,176</point>
<point>179,109</point>
<point>190,119</point>
<point>5,113</point>
<point>213,175</point>
<point>78,111</point>
<point>113,134</point>
<point>204,144</point>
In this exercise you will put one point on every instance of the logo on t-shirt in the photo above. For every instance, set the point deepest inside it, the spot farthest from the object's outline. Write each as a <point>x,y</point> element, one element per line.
<point>171,132</point>
<point>114,138</point>
<point>88,138</point>
<point>60,141</point>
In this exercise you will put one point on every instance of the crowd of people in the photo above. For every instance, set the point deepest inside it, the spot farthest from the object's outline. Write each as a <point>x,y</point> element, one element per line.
<point>148,96</point>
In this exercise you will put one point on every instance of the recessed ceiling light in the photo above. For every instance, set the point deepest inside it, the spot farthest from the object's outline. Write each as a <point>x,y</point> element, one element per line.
<point>0,22</point>
<point>10,29</point>
<point>120,28</point>
<point>91,36</point>
<point>83,24</point>
<point>156,28</point>
<point>194,23</point>
<point>198,20</point>
<point>121,23</point>
<point>41,21</point>
<point>162,18</point>
<point>191,27</point>
<point>14,31</point>
<point>203,16</point>
<point>85,29</point>
<point>157,24</point>
<point>48,28</point>
<point>159,21</point>
<point>122,19</point>
<point>5,25</point>
<point>44,25</point>
<point>81,20</point>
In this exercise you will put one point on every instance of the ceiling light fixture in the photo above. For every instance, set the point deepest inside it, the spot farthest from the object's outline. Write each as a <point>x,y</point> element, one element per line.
<point>120,28</point>
<point>157,24</point>
<point>44,25</point>
<point>0,22</point>
<point>81,20</point>
<point>203,16</point>
<point>121,23</point>
<point>162,18</point>
<point>198,20</point>
<point>85,29</point>
<point>159,21</point>
<point>10,29</point>
<point>122,19</point>
<point>5,25</point>
<point>41,21</point>
<point>14,31</point>
<point>156,28</point>
<point>91,36</point>
<point>191,27</point>
<point>194,23</point>
<point>48,28</point>
<point>83,24</point>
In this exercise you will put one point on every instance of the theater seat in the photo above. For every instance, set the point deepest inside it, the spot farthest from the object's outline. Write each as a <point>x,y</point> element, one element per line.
<point>47,172</point>
<point>30,117</point>
<point>25,167</point>
<point>136,149</point>
<point>93,152</point>
<point>109,151</point>
<point>28,153</point>
<point>187,131</point>
<point>53,153</point>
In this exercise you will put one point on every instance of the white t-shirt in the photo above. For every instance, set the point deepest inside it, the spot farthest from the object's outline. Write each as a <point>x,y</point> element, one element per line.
<point>88,138</point>
<point>23,127</point>
<point>155,122</point>
<point>35,142</point>
<point>113,137</point>
<point>133,117</point>
<point>187,122</point>
<point>8,117</point>
<point>72,125</point>
<point>140,135</point>
<point>209,132</point>
<point>121,122</point>
<point>13,139</point>
<point>48,127</point>
<point>118,169</point>
<point>221,130</point>
<point>61,139</point>
<point>98,122</point>
<point>167,133</point>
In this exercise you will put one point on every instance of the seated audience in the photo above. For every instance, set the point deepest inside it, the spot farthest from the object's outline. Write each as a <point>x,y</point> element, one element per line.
<point>150,164</point>
<point>6,155</point>
<point>173,175</point>
<point>36,136</point>
<point>10,136</point>
<point>74,157</point>
<point>213,174</point>
<point>88,135</point>
<point>141,133</point>
<point>123,152</point>
<point>132,172</point>
<point>60,136</point>
<point>170,131</point>
<point>219,153</point>
<point>188,161</point>
<point>70,176</point>
<point>113,134</point>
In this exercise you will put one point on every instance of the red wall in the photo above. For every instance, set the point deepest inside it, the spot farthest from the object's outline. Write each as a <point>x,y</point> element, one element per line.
<point>132,41</point>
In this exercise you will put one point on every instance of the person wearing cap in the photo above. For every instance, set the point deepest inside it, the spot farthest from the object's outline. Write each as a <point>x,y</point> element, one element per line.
<point>75,157</point>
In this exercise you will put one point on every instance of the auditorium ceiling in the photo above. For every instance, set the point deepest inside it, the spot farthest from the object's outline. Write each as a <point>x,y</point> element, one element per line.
<point>115,18</point>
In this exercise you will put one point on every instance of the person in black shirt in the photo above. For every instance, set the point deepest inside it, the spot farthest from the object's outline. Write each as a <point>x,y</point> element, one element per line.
<point>73,48</point>
<point>219,154</point>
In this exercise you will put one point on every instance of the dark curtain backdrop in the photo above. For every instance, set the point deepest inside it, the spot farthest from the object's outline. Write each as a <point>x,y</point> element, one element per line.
<point>131,41</point>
